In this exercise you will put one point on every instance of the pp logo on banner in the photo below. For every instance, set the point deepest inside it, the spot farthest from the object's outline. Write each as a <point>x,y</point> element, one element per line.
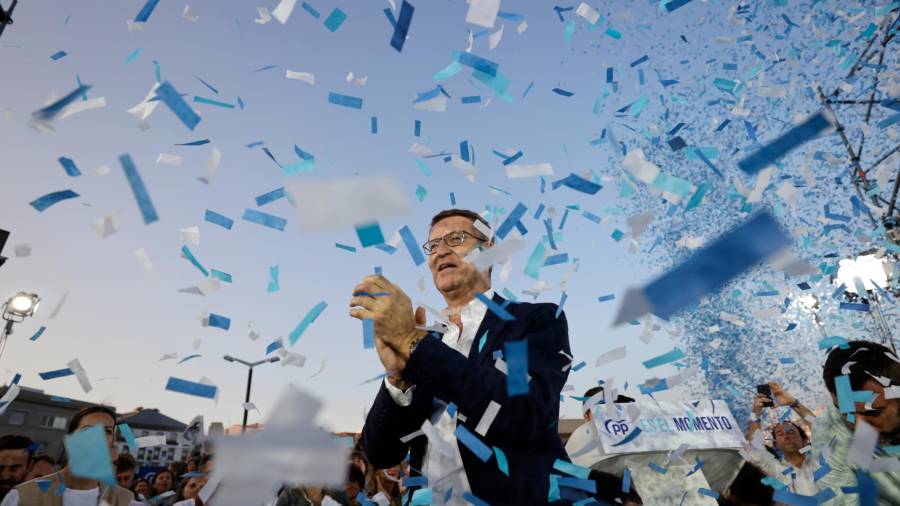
<point>616,427</point>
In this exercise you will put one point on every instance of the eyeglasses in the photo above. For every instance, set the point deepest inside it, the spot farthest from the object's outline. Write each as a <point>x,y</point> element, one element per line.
<point>451,239</point>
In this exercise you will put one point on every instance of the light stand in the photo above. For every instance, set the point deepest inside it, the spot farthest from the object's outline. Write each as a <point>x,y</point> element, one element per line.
<point>811,303</point>
<point>6,16</point>
<point>862,277</point>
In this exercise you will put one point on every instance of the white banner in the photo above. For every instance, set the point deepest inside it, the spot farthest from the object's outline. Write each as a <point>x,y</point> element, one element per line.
<point>665,426</point>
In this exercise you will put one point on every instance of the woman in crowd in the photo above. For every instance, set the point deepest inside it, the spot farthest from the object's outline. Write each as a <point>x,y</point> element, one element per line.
<point>162,488</point>
<point>189,491</point>
<point>141,489</point>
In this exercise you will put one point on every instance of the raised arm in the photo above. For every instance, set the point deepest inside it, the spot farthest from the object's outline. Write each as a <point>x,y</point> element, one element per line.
<point>471,386</point>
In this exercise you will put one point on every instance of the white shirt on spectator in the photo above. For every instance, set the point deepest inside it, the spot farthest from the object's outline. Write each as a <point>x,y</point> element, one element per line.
<point>71,497</point>
<point>435,466</point>
<point>799,481</point>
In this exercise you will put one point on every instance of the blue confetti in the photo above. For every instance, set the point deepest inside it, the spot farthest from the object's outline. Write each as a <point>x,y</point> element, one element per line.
<point>148,212</point>
<point>191,388</point>
<point>674,4</point>
<point>211,87</point>
<point>345,100</point>
<point>193,260</point>
<point>309,8</point>
<point>414,249</point>
<point>335,19</point>
<point>264,219</point>
<point>656,467</point>
<point>401,28</point>
<point>269,197</point>
<point>708,493</point>
<point>511,220</point>
<point>38,334</point>
<point>45,201</point>
<point>200,142</point>
<point>127,433</point>
<point>368,333</point>
<point>556,259</point>
<point>470,441</point>
<point>219,321</point>
<point>88,454</point>
<point>49,112</point>
<point>209,101</point>
<point>663,359</point>
<point>273,280</point>
<point>578,183</point>
<point>146,11</point>
<point>768,154</point>
<point>224,276</point>
<point>516,353</point>
<point>59,373</point>
<point>713,266</point>
<point>369,234</point>
<point>218,219</point>
<point>166,92</point>
<point>306,322</point>
<point>502,462</point>
<point>274,345</point>
<point>495,308</point>
<point>477,63</point>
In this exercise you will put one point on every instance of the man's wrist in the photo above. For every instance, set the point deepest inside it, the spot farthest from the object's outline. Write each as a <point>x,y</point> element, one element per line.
<point>399,382</point>
<point>409,344</point>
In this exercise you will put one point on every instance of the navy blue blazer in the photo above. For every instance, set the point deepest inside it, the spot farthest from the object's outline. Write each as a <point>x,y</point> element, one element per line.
<point>525,428</point>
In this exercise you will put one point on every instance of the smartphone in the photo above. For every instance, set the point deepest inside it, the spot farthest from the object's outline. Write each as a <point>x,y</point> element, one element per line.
<point>767,391</point>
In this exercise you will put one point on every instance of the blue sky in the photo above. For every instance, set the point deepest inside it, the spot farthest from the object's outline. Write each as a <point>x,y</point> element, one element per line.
<point>119,320</point>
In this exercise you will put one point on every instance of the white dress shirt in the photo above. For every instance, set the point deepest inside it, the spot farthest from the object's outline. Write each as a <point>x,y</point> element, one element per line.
<point>444,472</point>
<point>798,480</point>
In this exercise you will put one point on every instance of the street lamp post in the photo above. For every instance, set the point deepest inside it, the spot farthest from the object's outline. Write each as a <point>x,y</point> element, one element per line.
<point>250,366</point>
<point>17,308</point>
<point>6,16</point>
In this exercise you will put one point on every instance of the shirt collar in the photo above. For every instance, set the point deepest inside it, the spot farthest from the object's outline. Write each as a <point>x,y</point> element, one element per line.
<point>475,304</point>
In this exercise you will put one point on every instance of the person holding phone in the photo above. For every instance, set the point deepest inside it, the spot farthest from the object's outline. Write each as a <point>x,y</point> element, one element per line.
<point>786,461</point>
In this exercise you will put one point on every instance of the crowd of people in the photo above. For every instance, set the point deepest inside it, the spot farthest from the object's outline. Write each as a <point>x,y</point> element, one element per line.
<point>27,474</point>
<point>799,452</point>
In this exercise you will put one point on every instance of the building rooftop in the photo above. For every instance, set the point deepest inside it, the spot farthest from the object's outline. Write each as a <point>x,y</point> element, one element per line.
<point>37,396</point>
<point>150,419</point>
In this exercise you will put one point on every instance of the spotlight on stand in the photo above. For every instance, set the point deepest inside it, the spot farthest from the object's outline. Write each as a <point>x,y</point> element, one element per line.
<point>863,277</point>
<point>15,310</point>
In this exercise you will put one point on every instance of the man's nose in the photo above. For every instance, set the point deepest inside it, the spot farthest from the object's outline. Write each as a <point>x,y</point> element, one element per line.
<point>442,250</point>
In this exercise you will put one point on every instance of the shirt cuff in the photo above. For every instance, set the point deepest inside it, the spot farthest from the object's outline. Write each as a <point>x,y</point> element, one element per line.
<point>400,397</point>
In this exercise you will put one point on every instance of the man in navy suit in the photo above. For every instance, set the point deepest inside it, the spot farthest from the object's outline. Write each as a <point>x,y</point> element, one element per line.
<point>473,438</point>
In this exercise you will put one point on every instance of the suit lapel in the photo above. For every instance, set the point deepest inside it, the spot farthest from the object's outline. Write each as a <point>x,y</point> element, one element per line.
<point>494,327</point>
